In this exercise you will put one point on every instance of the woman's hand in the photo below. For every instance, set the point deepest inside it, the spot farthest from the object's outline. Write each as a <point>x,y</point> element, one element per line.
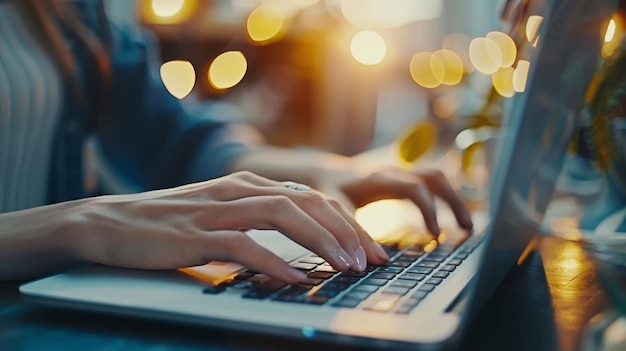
<point>356,190</point>
<point>197,223</point>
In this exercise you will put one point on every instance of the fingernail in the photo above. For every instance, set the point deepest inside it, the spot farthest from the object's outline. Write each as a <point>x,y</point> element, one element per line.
<point>295,274</point>
<point>380,252</point>
<point>360,259</point>
<point>344,258</point>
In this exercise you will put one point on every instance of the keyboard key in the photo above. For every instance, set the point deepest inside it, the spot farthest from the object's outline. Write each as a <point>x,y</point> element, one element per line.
<point>420,270</point>
<point>455,262</point>
<point>434,281</point>
<point>412,276</point>
<point>349,303</point>
<point>404,283</point>
<point>386,276</point>
<point>447,267</point>
<point>328,292</point>
<point>325,268</point>
<point>372,281</point>
<point>312,281</point>
<point>292,293</point>
<point>359,295</point>
<point>303,266</point>
<point>389,270</point>
<point>461,255</point>
<point>265,289</point>
<point>354,274</point>
<point>396,290</point>
<point>441,274</point>
<point>320,275</point>
<point>420,295</point>
<point>427,264</point>
<point>412,253</point>
<point>381,302</point>
<point>400,263</point>
<point>427,287</point>
<point>346,279</point>
<point>366,288</point>
<point>404,309</point>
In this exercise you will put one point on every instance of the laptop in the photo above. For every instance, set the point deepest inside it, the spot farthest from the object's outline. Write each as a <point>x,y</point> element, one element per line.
<point>426,296</point>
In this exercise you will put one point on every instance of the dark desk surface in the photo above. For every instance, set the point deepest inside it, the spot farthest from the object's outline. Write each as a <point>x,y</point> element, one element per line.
<point>543,304</point>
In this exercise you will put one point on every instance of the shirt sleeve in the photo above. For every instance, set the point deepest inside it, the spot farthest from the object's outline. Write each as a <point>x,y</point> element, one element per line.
<point>148,136</point>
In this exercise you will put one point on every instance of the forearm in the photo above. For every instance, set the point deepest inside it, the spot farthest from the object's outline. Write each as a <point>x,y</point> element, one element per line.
<point>41,240</point>
<point>308,167</point>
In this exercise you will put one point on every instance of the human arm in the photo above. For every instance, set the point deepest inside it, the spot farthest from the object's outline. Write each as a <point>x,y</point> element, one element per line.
<point>184,226</point>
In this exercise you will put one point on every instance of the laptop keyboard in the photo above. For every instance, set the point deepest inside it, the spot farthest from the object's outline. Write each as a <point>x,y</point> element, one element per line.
<point>398,286</point>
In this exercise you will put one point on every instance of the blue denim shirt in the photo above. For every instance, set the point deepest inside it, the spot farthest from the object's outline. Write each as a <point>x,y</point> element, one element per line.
<point>146,134</point>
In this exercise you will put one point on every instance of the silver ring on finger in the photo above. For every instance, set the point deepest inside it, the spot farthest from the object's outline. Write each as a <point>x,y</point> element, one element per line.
<point>296,186</point>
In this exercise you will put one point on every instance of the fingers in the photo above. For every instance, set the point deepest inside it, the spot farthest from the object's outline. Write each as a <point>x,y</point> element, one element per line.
<point>440,186</point>
<point>374,252</point>
<point>319,228</point>
<point>237,247</point>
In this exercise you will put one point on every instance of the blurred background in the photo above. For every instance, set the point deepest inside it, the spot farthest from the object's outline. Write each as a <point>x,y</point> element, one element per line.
<point>339,75</point>
<point>348,76</point>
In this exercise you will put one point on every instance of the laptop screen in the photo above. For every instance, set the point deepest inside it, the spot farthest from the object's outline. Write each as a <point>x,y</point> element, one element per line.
<point>539,124</point>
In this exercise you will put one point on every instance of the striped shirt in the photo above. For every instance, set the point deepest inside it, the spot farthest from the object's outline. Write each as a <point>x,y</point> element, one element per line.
<point>30,104</point>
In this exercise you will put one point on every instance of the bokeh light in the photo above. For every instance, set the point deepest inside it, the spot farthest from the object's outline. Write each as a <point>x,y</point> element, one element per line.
<point>368,47</point>
<point>503,81</point>
<point>227,69</point>
<point>167,8</point>
<point>266,23</point>
<point>612,37</point>
<point>485,55</point>
<point>507,47</point>
<point>520,76</point>
<point>453,66</point>
<point>179,77</point>
<point>610,31</point>
<point>427,70</point>
<point>532,29</point>
<point>459,43</point>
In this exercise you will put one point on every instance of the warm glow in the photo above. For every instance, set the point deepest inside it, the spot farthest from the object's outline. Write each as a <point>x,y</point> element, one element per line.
<point>610,32</point>
<point>381,219</point>
<point>453,67</point>
<point>265,23</point>
<point>178,77</point>
<point>227,69</point>
<point>507,47</point>
<point>389,14</point>
<point>427,70</point>
<point>431,246</point>
<point>503,81</point>
<point>167,8</point>
<point>485,55</point>
<point>368,48</point>
<point>612,37</point>
<point>532,28</point>
<point>520,76</point>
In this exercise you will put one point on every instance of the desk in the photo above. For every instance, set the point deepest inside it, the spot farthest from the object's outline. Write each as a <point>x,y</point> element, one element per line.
<point>543,304</point>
